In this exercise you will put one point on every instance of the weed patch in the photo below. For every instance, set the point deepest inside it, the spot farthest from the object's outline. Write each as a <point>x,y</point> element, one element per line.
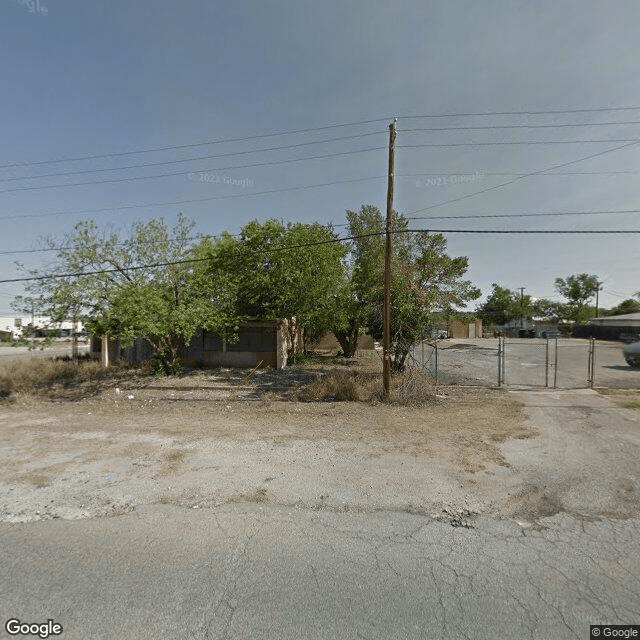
<point>50,376</point>
<point>410,388</point>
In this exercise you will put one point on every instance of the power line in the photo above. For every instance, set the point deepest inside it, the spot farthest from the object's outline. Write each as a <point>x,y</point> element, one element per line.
<point>291,160</point>
<point>303,144</point>
<point>526,215</point>
<point>525,126</point>
<point>194,159</point>
<point>481,174</point>
<point>189,146</point>
<point>539,231</point>
<point>462,217</point>
<point>512,142</point>
<point>312,129</point>
<point>150,205</point>
<point>189,201</point>
<point>522,177</point>
<point>188,261</point>
<point>321,242</point>
<point>519,113</point>
<point>184,173</point>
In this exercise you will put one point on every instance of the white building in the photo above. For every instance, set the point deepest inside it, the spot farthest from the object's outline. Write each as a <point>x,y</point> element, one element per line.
<point>23,326</point>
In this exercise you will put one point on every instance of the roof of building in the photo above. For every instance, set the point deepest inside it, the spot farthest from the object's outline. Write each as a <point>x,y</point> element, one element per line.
<point>625,316</point>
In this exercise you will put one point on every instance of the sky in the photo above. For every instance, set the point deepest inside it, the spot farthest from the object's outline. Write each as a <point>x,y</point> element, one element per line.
<point>144,109</point>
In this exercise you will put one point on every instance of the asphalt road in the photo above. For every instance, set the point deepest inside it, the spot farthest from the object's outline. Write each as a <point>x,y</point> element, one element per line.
<point>249,571</point>
<point>10,353</point>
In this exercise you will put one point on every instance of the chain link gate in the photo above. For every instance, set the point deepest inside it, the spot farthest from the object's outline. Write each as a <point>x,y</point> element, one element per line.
<point>571,378</point>
<point>557,364</point>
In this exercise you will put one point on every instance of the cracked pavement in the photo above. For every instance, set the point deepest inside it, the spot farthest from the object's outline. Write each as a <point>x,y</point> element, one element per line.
<point>553,546</point>
<point>258,571</point>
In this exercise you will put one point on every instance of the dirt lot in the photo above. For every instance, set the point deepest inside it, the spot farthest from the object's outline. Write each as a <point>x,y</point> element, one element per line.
<point>207,438</point>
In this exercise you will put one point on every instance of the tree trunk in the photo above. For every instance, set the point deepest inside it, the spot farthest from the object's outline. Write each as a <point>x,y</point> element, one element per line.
<point>104,354</point>
<point>348,338</point>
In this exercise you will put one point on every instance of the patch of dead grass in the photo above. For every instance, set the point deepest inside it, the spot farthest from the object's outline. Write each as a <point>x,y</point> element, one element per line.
<point>411,388</point>
<point>56,378</point>
<point>627,398</point>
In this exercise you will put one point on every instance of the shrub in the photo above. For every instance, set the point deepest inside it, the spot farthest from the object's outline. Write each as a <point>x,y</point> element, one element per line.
<point>299,357</point>
<point>163,364</point>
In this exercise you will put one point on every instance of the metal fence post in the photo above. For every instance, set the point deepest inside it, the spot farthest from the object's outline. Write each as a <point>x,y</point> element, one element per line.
<point>504,359</point>
<point>436,357</point>
<point>546,365</point>
<point>555,366</point>
<point>499,362</point>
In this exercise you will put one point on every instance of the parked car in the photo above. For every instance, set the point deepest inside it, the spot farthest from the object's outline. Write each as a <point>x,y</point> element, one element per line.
<point>551,334</point>
<point>629,337</point>
<point>632,354</point>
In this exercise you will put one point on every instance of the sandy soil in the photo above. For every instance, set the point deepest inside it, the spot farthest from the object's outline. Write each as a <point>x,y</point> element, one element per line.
<point>205,439</point>
<point>209,438</point>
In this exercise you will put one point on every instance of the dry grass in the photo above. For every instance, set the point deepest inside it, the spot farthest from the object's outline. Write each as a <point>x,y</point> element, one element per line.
<point>627,398</point>
<point>411,388</point>
<point>53,377</point>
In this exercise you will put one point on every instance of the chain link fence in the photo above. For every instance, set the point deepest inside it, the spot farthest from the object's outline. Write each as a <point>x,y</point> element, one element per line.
<point>563,363</point>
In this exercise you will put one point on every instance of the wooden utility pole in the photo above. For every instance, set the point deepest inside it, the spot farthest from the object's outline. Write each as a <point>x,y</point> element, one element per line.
<point>386,318</point>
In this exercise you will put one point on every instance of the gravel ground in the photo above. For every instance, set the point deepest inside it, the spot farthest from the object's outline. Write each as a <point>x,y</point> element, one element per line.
<point>207,439</point>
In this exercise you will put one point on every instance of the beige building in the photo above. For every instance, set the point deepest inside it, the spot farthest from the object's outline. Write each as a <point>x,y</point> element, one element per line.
<point>459,329</point>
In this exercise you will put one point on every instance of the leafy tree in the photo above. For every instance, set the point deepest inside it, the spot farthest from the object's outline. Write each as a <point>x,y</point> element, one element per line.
<point>549,310</point>
<point>626,306</point>
<point>500,306</point>
<point>141,286</point>
<point>283,271</point>
<point>578,290</point>
<point>425,280</point>
<point>505,305</point>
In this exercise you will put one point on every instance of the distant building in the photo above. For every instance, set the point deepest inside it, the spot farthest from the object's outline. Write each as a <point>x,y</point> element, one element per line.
<point>14,327</point>
<point>459,329</point>
<point>622,327</point>
<point>535,328</point>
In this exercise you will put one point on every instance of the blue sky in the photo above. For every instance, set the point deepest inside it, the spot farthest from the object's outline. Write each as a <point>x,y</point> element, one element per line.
<point>94,78</point>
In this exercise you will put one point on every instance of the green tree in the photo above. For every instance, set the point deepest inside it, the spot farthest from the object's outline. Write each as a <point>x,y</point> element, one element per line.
<point>142,286</point>
<point>549,310</point>
<point>626,306</point>
<point>501,306</point>
<point>283,271</point>
<point>578,290</point>
<point>425,279</point>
